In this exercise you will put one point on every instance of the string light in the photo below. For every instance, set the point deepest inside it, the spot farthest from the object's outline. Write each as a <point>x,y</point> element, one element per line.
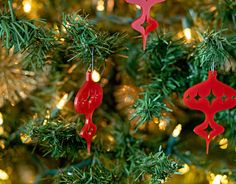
<point>187,30</point>
<point>96,76</point>
<point>2,145</point>
<point>63,101</point>
<point>3,175</point>
<point>155,120</point>
<point>162,125</point>
<point>100,5</point>
<point>46,118</point>
<point>1,119</point>
<point>218,179</point>
<point>138,7</point>
<point>184,169</point>
<point>223,143</point>
<point>26,6</point>
<point>25,138</point>
<point>177,130</point>
<point>188,34</point>
<point>1,130</point>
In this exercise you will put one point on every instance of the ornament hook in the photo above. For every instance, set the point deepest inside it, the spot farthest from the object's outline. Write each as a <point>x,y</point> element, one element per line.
<point>213,66</point>
<point>91,66</point>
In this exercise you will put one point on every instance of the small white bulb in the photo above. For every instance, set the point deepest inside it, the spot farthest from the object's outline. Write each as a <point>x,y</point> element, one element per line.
<point>96,76</point>
<point>27,6</point>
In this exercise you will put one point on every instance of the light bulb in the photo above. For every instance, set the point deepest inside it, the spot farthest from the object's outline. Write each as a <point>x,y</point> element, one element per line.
<point>184,169</point>
<point>223,143</point>
<point>217,179</point>
<point>95,76</point>
<point>162,125</point>
<point>62,102</point>
<point>26,6</point>
<point>100,5</point>
<point>3,175</point>
<point>188,34</point>
<point>177,130</point>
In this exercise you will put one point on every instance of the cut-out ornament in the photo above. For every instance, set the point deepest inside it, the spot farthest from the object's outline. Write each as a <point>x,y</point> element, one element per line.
<point>88,98</point>
<point>210,97</point>
<point>145,17</point>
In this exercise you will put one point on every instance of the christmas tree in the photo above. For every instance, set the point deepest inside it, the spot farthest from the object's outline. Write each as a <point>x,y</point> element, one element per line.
<point>132,119</point>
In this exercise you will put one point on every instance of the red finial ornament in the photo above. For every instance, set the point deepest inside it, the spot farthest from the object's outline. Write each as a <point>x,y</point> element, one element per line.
<point>86,101</point>
<point>210,97</point>
<point>145,17</point>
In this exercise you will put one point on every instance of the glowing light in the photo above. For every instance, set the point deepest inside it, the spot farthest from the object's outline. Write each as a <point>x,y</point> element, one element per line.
<point>96,76</point>
<point>26,6</point>
<point>71,69</point>
<point>100,5</point>
<point>223,143</point>
<point>217,179</point>
<point>63,101</point>
<point>184,169</point>
<point>162,125</point>
<point>3,175</point>
<point>177,130</point>
<point>138,7</point>
<point>1,119</point>
<point>25,138</point>
<point>188,34</point>
<point>1,130</point>
<point>224,179</point>
<point>110,138</point>
<point>2,145</point>
<point>155,120</point>
<point>62,39</point>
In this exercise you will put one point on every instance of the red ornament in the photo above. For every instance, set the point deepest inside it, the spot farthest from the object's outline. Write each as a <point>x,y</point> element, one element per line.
<point>145,17</point>
<point>86,101</point>
<point>210,97</point>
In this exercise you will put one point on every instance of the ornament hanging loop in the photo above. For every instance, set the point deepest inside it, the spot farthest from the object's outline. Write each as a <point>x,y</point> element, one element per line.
<point>91,66</point>
<point>213,66</point>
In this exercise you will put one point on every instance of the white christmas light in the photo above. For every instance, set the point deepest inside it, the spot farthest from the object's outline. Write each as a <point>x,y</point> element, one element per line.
<point>177,130</point>
<point>100,5</point>
<point>188,34</point>
<point>95,76</point>
<point>184,169</point>
<point>217,179</point>
<point>26,6</point>
<point>3,175</point>
<point>62,102</point>
<point>223,143</point>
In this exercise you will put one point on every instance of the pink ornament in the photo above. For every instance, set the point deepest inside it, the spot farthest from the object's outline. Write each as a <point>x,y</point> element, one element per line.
<point>145,17</point>
<point>86,101</point>
<point>198,97</point>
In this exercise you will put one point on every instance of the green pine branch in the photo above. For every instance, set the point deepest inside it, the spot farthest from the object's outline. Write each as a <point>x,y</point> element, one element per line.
<point>40,44</point>
<point>57,137</point>
<point>212,52</point>
<point>148,107</point>
<point>154,168</point>
<point>162,64</point>
<point>87,41</point>
<point>91,175</point>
